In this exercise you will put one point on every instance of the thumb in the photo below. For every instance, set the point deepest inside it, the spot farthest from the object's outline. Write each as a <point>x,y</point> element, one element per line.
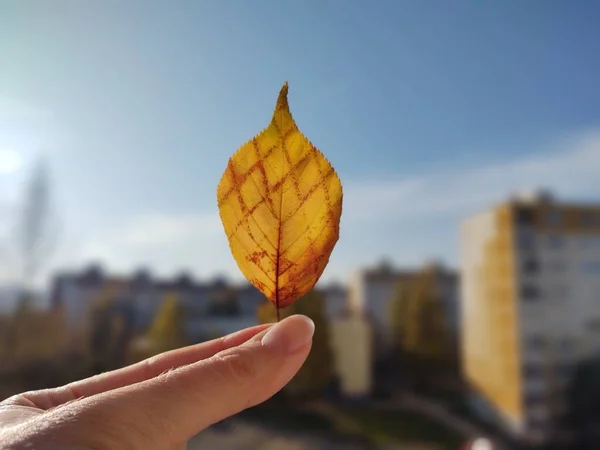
<point>176,405</point>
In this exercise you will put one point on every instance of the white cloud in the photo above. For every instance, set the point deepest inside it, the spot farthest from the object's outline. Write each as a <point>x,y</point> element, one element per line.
<point>571,168</point>
<point>157,229</point>
<point>167,243</point>
<point>196,242</point>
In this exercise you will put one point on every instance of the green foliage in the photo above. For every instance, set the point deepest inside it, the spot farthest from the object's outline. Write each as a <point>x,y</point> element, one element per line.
<point>398,314</point>
<point>419,321</point>
<point>41,372</point>
<point>31,334</point>
<point>109,333</point>
<point>266,313</point>
<point>318,370</point>
<point>167,331</point>
<point>25,305</point>
<point>224,308</point>
<point>33,352</point>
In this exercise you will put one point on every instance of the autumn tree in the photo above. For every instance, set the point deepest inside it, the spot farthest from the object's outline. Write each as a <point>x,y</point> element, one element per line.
<point>33,242</point>
<point>36,359</point>
<point>101,335</point>
<point>111,327</point>
<point>167,331</point>
<point>398,315</point>
<point>38,334</point>
<point>420,324</point>
<point>318,371</point>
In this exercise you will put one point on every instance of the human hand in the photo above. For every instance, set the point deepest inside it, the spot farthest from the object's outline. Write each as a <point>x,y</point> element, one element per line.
<point>162,402</point>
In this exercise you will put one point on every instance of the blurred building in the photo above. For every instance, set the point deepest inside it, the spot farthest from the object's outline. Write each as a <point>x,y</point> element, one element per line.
<point>211,309</point>
<point>447,289</point>
<point>530,283</point>
<point>336,300</point>
<point>353,355</point>
<point>372,290</point>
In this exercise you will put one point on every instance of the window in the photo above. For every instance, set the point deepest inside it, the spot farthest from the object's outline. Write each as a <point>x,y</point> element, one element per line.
<point>525,216</point>
<point>566,345</point>
<point>554,218</point>
<point>591,267</point>
<point>534,399</point>
<point>589,219</point>
<point>530,293</point>
<point>556,242</point>
<point>525,241</point>
<point>536,343</point>
<point>532,371</point>
<point>531,266</point>
<point>589,243</point>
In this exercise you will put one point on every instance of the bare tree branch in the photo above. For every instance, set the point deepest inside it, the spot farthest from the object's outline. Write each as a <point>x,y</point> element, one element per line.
<point>38,226</point>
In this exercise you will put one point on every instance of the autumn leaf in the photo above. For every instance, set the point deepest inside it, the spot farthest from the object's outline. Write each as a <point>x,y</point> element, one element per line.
<point>280,202</point>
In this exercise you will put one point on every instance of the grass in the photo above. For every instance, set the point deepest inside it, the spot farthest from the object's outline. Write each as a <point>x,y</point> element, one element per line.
<point>288,418</point>
<point>383,427</point>
<point>355,423</point>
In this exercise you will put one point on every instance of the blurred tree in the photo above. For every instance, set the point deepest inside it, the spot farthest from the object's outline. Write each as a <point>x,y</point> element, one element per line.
<point>420,328</point>
<point>168,329</point>
<point>265,312</point>
<point>37,226</point>
<point>111,328</point>
<point>5,323</point>
<point>39,357</point>
<point>398,310</point>
<point>37,342</point>
<point>48,339</point>
<point>317,373</point>
<point>224,303</point>
<point>18,327</point>
<point>35,239</point>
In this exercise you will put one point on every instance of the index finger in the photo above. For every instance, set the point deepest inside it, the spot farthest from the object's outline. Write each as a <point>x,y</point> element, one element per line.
<point>135,373</point>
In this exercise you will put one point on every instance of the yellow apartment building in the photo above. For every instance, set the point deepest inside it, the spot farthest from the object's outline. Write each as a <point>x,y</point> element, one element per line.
<point>530,293</point>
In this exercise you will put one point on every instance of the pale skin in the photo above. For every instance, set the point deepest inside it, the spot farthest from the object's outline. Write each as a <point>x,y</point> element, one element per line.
<point>162,402</point>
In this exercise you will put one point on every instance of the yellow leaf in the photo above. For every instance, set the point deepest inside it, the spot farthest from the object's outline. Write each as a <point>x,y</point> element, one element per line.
<point>280,202</point>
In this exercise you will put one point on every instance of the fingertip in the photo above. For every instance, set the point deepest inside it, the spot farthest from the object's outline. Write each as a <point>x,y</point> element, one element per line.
<point>304,325</point>
<point>290,335</point>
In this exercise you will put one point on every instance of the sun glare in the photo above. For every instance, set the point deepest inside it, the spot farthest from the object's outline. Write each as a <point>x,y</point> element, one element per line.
<point>10,161</point>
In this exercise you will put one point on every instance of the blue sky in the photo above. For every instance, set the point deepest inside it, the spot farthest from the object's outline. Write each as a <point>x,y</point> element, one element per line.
<point>429,111</point>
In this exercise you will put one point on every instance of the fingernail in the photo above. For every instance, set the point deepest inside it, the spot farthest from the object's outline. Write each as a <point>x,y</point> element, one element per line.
<point>289,335</point>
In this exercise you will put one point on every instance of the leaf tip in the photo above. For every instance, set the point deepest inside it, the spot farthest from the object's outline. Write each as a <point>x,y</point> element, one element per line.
<point>282,101</point>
